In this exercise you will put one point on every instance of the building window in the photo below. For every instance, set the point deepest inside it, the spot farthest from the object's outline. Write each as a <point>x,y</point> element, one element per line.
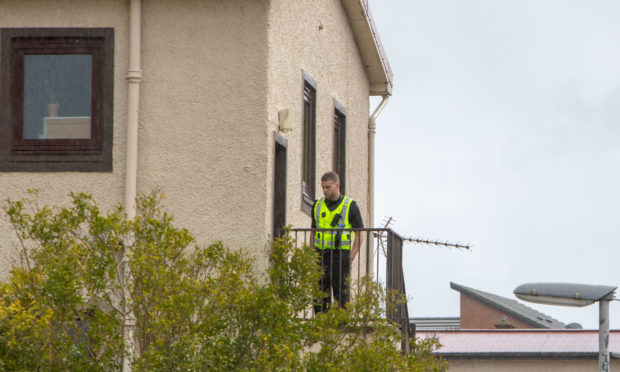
<point>340,144</point>
<point>56,98</point>
<point>309,143</point>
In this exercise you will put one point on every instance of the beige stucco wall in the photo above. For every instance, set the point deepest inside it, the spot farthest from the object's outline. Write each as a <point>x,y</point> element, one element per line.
<point>202,127</point>
<point>214,75</point>
<point>315,36</point>
<point>549,365</point>
<point>55,187</point>
<point>202,136</point>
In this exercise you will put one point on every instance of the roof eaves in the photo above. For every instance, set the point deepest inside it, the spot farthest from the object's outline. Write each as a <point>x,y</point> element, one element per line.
<point>371,50</point>
<point>517,355</point>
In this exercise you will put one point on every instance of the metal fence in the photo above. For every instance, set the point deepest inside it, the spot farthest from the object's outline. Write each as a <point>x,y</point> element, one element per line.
<point>380,258</point>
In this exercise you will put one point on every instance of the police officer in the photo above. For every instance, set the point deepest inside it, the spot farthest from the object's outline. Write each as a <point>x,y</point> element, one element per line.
<point>336,249</point>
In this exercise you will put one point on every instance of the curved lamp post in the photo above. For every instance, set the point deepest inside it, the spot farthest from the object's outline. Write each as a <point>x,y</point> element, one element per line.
<point>579,295</point>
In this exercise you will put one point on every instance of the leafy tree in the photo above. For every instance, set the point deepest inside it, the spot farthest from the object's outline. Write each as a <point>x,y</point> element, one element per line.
<point>87,275</point>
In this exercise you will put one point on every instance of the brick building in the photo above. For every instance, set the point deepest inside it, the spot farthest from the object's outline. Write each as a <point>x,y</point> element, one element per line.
<point>482,310</point>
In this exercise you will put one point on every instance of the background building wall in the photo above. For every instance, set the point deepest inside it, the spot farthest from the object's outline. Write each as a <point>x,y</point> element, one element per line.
<point>478,315</point>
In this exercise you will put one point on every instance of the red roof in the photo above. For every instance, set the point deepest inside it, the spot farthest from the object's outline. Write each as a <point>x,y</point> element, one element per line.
<point>516,341</point>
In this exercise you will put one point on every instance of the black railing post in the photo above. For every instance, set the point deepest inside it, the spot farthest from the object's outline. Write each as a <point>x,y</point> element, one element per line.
<point>368,252</point>
<point>395,282</point>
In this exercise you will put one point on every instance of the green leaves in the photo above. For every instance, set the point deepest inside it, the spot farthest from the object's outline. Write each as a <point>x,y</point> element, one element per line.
<point>90,274</point>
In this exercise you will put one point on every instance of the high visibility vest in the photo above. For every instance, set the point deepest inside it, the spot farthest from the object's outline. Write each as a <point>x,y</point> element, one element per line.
<point>336,219</point>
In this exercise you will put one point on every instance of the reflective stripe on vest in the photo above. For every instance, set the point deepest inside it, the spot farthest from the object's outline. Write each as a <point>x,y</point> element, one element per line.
<point>324,218</point>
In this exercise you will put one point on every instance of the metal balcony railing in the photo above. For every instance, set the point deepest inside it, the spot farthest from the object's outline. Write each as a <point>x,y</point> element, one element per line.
<point>380,258</point>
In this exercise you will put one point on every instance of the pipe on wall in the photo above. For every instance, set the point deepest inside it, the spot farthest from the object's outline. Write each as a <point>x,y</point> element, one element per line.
<point>372,130</point>
<point>134,77</point>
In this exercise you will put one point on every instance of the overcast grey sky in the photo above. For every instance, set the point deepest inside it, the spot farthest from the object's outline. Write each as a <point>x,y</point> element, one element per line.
<point>503,131</point>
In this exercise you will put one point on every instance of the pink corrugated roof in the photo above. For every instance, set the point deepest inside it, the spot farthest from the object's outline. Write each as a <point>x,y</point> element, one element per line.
<point>521,341</point>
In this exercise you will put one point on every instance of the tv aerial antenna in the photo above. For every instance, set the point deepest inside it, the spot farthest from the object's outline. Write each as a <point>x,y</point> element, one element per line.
<point>388,221</point>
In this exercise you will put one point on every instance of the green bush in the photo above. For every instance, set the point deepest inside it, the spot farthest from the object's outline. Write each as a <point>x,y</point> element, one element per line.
<point>87,277</point>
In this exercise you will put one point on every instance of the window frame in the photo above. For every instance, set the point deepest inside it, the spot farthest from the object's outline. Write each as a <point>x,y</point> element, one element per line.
<point>308,168</point>
<point>92,154</point>
<point>340,144</point>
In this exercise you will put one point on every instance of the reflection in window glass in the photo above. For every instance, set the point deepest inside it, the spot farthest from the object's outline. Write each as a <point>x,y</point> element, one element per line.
<point>57,96</point>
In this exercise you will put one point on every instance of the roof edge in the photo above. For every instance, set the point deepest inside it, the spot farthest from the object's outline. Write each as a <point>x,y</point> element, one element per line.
<point>371,50</point>
<point>517,355</point>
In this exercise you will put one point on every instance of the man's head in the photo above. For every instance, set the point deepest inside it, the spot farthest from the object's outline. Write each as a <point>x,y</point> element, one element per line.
<point>330,183</point>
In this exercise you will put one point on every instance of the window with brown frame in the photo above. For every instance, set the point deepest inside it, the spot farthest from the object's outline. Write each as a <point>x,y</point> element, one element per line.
<point>309,142</point>
<point>340,144</point>
<point>56,99</point>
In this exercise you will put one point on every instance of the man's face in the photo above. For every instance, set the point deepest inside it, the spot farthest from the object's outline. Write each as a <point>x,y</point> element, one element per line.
<point>331,189</point>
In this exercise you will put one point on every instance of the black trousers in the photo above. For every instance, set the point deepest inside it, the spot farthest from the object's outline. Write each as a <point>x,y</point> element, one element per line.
<point>335,265</point>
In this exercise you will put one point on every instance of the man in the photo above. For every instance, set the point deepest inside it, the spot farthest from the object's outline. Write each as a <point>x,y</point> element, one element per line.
<point>336,249</point>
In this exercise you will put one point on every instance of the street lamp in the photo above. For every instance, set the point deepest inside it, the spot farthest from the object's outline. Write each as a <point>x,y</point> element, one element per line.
<point>579,295</point>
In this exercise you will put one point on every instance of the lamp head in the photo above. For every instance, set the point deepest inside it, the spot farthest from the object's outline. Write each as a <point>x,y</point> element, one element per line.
<point>564,294</point>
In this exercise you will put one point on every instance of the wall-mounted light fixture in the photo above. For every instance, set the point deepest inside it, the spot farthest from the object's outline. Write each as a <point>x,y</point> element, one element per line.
<point>286,120</point>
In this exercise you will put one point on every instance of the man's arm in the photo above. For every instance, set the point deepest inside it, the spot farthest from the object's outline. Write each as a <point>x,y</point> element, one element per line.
<point>356,222</point>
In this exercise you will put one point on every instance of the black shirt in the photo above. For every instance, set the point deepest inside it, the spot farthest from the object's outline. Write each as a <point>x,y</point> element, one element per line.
<point>355,217</point>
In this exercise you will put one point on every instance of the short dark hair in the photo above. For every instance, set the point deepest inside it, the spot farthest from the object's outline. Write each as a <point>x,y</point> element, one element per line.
<point>330,176</point>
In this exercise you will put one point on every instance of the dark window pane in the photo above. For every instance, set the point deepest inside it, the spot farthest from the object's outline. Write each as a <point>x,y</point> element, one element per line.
<point>56,100</point>
<point>309,130</point>
<point>340,148</point>
<point>57,96</point>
